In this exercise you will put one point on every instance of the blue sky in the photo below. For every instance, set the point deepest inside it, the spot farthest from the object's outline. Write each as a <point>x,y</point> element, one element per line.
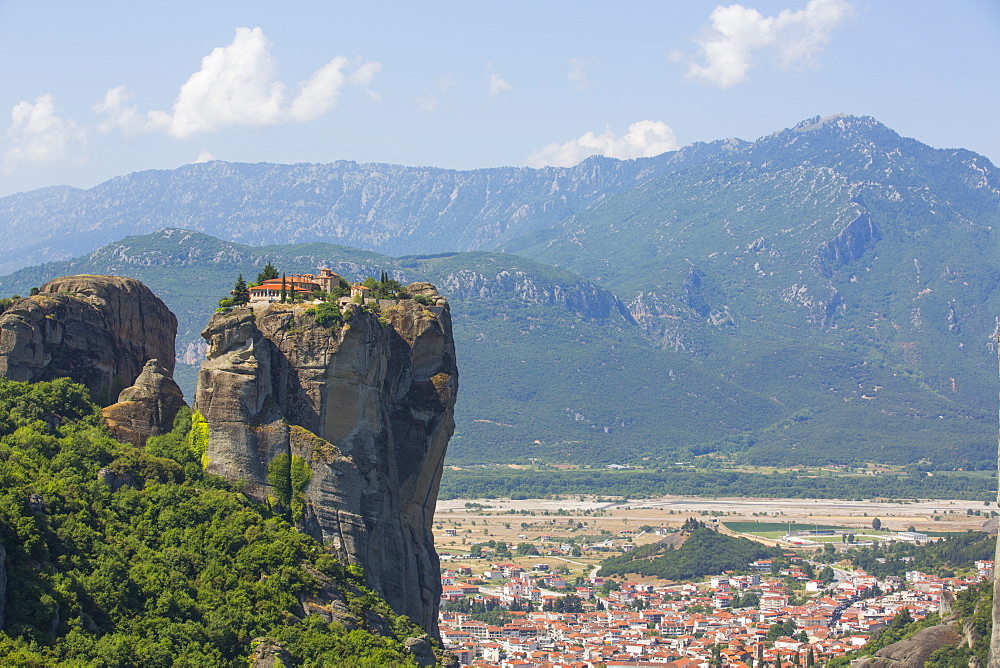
<point>94,90</point>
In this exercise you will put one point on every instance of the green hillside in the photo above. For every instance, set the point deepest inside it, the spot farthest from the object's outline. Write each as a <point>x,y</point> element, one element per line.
<point>117,556</point>
<point>845,271</point>
<point>551,366</point>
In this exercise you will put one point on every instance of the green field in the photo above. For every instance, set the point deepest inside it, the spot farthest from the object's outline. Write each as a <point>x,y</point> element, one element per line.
<point>760,528</point>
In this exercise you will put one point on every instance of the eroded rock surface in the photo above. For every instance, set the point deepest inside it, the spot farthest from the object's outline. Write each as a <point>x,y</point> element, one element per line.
<point>915,651</point>
<point>98,330</point>
<point>345,426</point>
<point>147,408</point>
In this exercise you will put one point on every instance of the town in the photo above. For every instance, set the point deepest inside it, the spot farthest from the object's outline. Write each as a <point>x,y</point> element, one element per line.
<point>693,624</point>
<point>522,607</point>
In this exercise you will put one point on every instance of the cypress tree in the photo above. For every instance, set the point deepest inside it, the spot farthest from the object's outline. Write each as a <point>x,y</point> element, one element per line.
<point>283,294</point>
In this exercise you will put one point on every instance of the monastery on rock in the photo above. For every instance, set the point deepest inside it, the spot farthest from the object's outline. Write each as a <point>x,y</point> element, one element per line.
<point>302,285</point>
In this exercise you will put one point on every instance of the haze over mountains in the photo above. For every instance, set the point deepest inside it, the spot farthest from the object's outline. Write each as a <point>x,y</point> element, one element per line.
<point>826,293</point>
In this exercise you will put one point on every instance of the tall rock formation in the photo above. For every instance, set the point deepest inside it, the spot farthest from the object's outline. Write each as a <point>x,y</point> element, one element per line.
<point>98,330</point>
<point>344,426</point>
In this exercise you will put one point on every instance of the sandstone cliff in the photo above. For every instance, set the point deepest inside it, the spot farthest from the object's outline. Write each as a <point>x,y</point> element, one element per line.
<point>147,408</point>
<point>98,330</point>
<point>344,426</point>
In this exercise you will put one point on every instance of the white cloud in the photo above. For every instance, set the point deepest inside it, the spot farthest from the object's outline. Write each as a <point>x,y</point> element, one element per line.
<point>738,32</point>
<point>497,85</point>
<point>644,139</point>
<point>238,85</point>
<point>204,156</point>
<point>578,73</point>
<point>428,100</point>
<point>38,136</point>
<point>363,77</point>
<point>118,114</point>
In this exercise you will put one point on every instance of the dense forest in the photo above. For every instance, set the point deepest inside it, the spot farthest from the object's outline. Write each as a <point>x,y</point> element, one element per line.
<point>124,557</point>
<point>705,552</point>
<point>475,483</point>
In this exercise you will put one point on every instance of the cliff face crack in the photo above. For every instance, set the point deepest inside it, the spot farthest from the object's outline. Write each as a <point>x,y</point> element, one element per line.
<point>346,427</point>
<point>850,244</point>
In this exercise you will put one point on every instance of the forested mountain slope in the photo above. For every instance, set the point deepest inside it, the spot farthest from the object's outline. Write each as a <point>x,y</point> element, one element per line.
<point>825,293</point>
<point>551,365</point>
<point>834,259</point>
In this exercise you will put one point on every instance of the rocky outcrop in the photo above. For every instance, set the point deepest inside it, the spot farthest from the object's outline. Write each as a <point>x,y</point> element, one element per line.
<point>568,291</point>
<point>98,330</point>
<point>270,654</point>
<point>344,426</point>
<point>147,408</point>
<point>914,651</point>
<point>850,244</point>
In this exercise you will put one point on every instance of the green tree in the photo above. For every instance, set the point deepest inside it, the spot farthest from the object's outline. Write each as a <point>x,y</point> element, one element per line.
<point>327,314</point>
<point>876,524</point>
<point>283,295</point>
<point>527,549</point>
<point>241,294</point>
<point>267,274</point>
<point>777,630</point>
<point>166,568</point>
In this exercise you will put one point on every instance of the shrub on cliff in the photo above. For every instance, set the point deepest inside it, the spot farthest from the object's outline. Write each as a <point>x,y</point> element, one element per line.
<point>327,314</point>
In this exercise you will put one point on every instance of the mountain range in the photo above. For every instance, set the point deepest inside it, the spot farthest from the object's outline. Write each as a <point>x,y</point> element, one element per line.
<point>825,294</point>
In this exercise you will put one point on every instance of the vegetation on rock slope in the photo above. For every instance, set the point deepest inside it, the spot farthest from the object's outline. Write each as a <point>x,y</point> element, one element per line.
<point>121,557</point>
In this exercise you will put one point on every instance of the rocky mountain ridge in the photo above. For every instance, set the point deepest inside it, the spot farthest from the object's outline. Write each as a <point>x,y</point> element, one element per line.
<point>387,208</point>
<point>834,278</point>
<point>398,210</point>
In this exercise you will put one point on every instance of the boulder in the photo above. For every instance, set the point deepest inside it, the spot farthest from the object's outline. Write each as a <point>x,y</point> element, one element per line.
<point>147,408</point>
<point>914,651</point>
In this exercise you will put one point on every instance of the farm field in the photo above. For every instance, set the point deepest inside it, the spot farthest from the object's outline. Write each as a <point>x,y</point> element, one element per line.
<point>564,524</point>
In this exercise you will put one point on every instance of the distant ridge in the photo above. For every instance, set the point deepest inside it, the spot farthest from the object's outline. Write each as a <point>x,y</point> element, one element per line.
<point>826,293</point>
<point>386,208</point>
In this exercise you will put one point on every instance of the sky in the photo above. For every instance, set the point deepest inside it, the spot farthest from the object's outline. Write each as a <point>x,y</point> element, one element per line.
<point>95,90</point>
